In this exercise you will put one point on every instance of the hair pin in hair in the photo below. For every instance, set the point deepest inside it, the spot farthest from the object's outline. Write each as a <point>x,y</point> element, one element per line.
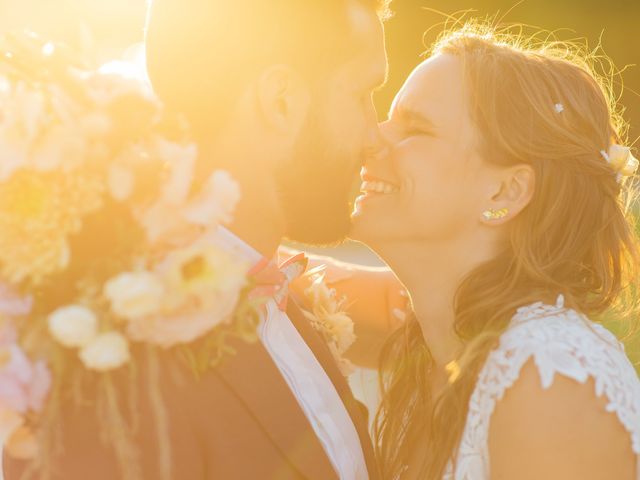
<point>559,107</point>
<point>621,160</point>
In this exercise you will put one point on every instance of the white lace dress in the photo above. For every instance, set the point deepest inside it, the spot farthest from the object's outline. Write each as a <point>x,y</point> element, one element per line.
<point>560,341</point>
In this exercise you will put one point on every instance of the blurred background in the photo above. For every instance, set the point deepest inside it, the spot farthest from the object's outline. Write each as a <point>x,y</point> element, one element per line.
<point>106,28</point>
<point>111,29</point>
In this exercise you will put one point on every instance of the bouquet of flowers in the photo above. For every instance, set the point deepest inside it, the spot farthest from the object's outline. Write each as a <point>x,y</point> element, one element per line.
<point>103,239</point>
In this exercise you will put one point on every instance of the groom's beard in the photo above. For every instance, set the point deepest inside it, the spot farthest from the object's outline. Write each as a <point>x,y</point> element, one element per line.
<point>316,188</point>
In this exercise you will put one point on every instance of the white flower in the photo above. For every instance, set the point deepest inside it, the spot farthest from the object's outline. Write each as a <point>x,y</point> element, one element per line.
<point>134,295</point>
<point>202,271</point>
<point>115,80</point>
<point>107,351</point>
<point>216,202</point>
<point>162,221</point>
<point>203,287</point>
<point>26,109</point>
<point>621,160</point>
<point>329,318</point>
<point>121,182</point>
<point>73,326</point>
<point>341,328</point>
<point>95,124</point>
<point>345,366</point>
<point>183,327</point>
<point>20,124</point>
<point>181,160</point>
<point>13,157</point>
<point>59,145</point>
<point>165,218</point>
<point>322,297</point>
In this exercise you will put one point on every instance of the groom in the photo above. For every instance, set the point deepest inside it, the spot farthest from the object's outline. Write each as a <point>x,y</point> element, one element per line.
<point>279,93</point>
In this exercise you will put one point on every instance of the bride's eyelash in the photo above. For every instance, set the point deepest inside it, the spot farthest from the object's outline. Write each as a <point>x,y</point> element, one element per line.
<point>415,131</point>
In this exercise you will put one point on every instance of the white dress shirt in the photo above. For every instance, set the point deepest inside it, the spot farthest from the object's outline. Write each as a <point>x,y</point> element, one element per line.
<point>306,378</point>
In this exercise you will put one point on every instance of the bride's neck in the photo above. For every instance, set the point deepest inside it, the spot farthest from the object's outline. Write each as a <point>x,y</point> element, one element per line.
<point>432,272</point>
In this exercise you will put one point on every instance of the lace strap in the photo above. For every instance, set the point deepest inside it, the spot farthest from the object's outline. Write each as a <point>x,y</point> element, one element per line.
<point>559,341</point>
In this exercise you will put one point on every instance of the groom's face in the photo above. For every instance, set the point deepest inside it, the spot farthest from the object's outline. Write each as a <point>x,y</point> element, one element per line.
<point>317,186</point>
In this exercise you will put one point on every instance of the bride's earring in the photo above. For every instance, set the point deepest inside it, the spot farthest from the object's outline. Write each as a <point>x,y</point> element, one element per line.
<point>492,214</point>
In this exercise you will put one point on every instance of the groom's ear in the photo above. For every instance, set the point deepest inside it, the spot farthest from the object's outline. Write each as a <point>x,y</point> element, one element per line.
<point>283,99</point>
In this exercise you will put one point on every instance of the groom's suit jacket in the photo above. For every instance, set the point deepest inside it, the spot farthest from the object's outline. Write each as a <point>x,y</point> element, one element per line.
<point>239,421</point>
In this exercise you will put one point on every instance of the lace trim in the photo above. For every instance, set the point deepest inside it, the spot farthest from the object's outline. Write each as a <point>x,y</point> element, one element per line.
<point>560,341</point>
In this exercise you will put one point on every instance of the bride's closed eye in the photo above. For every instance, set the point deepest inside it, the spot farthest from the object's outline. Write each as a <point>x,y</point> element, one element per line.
<point>412,123</point>
<point>415,131</point>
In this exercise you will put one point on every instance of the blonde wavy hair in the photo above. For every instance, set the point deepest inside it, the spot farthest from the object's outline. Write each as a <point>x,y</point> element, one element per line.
<point>576,237</point>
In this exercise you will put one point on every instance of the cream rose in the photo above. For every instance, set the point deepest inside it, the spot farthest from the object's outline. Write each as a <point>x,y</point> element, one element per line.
<point>107,351</point>
<point>121,182</point>
<point>204,271</point>
<point>73,326</point>
<point>134,295</point>
<point>203,285</point>
<point>621,160</point>
<point>217,201</point>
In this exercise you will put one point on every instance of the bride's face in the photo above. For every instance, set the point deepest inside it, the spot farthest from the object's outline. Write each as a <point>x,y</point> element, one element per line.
<point>431,183</point>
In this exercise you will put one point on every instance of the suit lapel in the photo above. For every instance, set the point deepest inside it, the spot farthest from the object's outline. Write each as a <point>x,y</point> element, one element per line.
<point>355,409</point>
<point>253,376</point>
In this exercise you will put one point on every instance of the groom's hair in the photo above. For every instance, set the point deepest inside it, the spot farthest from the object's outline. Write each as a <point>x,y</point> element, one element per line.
<point>202,53</point>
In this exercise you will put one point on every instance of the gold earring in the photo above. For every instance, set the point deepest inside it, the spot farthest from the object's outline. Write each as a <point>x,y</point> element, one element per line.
<point>492,214</point>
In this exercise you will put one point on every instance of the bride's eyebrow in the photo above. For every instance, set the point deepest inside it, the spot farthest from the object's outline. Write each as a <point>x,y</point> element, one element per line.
<point>413,117</point>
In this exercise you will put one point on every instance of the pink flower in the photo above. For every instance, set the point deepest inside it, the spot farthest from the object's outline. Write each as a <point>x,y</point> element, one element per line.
<point>183,326</point>
<point>202,288</point>
<point>13,304</point>
<point>8,334</point>
<point>23,385</point>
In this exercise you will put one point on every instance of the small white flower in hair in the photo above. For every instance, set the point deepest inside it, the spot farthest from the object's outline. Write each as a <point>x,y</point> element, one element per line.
<point>621,160</point>
<point>559,107</point>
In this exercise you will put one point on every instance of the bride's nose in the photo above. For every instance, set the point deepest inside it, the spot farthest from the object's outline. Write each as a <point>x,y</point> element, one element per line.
<point>377,156</point>
<point>388,133</point>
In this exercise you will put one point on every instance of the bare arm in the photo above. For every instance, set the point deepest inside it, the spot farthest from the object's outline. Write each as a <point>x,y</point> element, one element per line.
<point>375,298</point>
<point>563,433</point>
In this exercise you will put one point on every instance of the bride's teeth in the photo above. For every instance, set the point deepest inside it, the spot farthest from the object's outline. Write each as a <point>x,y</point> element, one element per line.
<point>378,187</point>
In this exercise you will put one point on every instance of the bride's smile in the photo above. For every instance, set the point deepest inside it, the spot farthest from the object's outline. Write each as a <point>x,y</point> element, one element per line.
<point>156,323</point>
<point>430,184</point>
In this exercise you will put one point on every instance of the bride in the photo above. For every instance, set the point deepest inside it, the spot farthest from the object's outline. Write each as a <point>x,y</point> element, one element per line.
<point>502,208</point>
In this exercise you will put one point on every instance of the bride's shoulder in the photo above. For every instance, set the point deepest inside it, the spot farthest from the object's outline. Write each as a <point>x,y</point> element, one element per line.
<point>553,375</point>
<point>547,383</point>
<point>560,341</point>
<point>549,380</point>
